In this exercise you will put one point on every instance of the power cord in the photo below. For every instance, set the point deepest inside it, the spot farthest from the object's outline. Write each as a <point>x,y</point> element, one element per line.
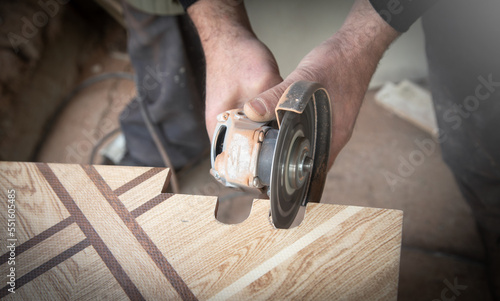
<point>153,131</point>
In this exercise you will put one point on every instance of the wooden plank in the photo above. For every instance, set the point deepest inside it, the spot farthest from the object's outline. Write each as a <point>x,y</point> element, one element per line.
<point>162,246</point>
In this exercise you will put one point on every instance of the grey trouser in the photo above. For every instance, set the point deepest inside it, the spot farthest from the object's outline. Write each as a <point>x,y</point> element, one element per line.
<point>166,54</point>
<point>463,50</point>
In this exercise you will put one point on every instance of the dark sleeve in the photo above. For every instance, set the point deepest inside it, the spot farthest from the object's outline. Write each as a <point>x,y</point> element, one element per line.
<point>187,3</point>
<point>401,14</point>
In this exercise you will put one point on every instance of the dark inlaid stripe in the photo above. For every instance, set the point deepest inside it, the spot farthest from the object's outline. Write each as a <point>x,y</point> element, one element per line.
<point>150,204</point>
<point>161,262</point>
<point>138,180</point>
<point>113,265</point>
<point>39,238</point>
<point>46,266</point>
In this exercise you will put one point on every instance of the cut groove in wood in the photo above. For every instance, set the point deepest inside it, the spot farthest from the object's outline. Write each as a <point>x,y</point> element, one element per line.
<point>144,189</point>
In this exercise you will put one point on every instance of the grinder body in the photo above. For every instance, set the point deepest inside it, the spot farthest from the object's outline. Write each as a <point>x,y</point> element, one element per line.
<point>286,158</point>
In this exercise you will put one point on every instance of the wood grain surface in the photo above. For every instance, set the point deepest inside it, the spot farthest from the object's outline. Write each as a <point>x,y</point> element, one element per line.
<point>100,232</point>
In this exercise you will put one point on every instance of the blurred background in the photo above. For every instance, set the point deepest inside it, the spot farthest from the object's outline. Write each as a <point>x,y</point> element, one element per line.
<point>48,115</point>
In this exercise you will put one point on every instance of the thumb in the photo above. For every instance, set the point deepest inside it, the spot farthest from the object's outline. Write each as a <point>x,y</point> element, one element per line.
<point>261,108</point>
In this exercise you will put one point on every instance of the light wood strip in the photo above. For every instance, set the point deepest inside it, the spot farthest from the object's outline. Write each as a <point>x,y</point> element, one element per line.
<point>146,190</point>
<point>117,176</point>
<point>95,281</point>
<point>37,206</point>
<point>116,235</point>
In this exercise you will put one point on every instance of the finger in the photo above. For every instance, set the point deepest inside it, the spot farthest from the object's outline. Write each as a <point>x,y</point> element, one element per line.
<point>261,108</point>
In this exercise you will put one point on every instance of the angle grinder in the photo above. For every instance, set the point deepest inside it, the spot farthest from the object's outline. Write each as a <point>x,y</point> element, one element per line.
<point>287,158</point>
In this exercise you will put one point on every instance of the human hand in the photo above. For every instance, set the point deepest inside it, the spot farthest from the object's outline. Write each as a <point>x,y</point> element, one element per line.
<point>235,74</point>
<point>344,65</point>
<point>239,66</point>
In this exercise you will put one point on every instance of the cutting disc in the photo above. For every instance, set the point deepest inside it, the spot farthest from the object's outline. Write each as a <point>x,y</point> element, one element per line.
<point>292,164</point>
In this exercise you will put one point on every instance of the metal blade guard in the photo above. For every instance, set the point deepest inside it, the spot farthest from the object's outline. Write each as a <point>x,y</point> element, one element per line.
<point>287,160</point>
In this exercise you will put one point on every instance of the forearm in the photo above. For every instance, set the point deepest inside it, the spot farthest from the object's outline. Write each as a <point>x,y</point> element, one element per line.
<point>356,50</point>
<point>364,33</point>
<point>220,23</point>
<point>344,64</point>
<point>239,66</point>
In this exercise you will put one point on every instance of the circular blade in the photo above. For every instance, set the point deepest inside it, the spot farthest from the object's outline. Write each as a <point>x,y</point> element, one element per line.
<point>295,143</point>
